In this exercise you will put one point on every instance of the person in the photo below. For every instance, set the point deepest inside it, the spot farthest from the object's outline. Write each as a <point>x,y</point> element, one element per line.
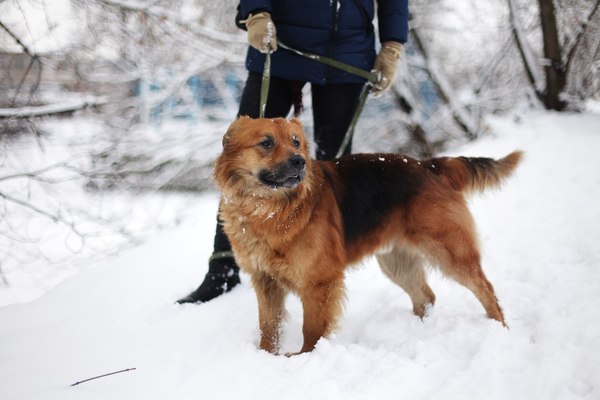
<point>340,29</point>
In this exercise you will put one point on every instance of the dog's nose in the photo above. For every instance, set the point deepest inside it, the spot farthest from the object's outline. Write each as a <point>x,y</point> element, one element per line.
<point>297,161</point>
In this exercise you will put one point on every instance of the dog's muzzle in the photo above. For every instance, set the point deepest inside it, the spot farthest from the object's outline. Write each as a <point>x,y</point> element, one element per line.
<point>287,174</point>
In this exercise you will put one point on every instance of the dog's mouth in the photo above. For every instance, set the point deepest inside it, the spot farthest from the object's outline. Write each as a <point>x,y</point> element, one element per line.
<point>277,180</point>
<point>287,174</point>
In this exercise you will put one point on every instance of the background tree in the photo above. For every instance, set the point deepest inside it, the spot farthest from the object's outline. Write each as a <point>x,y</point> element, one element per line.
<point>570,42</point>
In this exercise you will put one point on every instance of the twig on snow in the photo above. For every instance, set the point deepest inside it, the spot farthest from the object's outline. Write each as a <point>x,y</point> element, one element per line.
<point>102,376</point>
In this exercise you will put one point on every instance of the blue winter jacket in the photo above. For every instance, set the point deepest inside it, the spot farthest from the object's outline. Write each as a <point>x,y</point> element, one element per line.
<point>340,29</point>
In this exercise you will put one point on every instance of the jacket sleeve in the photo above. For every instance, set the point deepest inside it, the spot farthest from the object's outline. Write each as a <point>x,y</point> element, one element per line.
<point>393,20</point>
<point>253,6</point>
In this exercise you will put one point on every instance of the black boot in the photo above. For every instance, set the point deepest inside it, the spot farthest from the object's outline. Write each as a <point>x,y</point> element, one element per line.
<point>222,276</point>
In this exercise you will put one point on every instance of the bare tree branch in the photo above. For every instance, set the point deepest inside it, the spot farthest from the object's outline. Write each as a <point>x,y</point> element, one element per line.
<point>529,60</point>
<point>460,114</point>
<point>19,42</point>
<point>580,36</point>
<point>33,59</point>
<point>54,218</point>
<point>38,175</point>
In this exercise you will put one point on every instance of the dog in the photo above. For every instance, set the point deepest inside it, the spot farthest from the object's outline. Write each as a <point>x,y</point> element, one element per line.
<point>295,224</point>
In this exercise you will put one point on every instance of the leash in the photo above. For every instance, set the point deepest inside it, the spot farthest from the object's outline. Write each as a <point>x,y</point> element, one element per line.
<point>350,132</point>
<point>371,78</point>
<point>264,87</point>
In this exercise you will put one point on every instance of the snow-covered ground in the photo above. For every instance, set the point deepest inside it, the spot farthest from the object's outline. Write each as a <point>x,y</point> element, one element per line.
<point>541,250</point>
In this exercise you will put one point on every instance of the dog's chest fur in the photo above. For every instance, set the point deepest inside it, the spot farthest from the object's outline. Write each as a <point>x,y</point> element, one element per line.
<point>263,239</point>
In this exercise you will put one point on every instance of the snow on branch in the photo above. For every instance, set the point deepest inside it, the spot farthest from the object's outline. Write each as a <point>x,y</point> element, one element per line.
<point>51,109</point>
<point>162,13</point>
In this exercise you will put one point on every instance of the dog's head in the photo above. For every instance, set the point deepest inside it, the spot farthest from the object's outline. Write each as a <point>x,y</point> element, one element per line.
<point>262,157</point>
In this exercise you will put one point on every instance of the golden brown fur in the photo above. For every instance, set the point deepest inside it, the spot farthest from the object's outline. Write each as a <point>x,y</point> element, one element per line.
<point>295,224</point>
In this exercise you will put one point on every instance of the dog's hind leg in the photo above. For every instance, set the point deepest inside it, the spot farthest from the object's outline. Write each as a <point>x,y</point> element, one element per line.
<point>405,268</point>
<point>469,274</point>
<point>271,310</point>
<point>458,256</point>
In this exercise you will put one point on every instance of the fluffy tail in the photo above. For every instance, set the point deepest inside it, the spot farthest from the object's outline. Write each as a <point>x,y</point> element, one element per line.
<point>476,173</point>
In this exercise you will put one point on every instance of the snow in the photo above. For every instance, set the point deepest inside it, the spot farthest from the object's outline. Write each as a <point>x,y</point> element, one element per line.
<point>541,249</point>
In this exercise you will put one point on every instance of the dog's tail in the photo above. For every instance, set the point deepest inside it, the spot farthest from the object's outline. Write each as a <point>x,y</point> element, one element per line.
<point>475,173</point>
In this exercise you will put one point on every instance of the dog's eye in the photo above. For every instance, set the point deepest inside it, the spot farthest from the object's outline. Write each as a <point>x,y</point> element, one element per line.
<point>296,143</point>
<point>267,143</point>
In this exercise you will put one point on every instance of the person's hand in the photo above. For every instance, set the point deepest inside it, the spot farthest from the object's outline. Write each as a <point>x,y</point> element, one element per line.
<point>261,32</point>
<point>386,64</point>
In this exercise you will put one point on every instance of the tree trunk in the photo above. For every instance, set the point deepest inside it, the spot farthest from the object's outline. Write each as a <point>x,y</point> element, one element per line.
<point>553,67</point>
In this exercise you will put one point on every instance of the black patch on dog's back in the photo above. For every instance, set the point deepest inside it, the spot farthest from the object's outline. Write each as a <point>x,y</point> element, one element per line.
<point>373,186</point>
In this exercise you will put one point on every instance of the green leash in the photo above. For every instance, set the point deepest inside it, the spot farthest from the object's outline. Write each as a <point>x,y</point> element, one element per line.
<point>264,87</point>
<point>350,132</point>
<point>371,77</point>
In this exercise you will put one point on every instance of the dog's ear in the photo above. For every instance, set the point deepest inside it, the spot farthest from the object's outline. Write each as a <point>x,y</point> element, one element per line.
<point>227,135</point>
<point>296,121</point>
<point>235,125</point>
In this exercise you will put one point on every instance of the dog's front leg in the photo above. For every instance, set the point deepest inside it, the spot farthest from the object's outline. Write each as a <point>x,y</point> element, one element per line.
<point>322,304</point>
<point>271,298</point>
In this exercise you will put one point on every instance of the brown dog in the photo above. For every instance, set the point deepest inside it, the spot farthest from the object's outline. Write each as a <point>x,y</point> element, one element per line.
<point>295,224</point>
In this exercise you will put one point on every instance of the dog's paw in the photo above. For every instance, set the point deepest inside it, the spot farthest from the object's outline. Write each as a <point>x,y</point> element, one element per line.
<point>422,310</point>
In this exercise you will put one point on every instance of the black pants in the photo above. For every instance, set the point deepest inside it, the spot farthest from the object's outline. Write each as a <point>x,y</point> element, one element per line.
<point>333,107</point>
